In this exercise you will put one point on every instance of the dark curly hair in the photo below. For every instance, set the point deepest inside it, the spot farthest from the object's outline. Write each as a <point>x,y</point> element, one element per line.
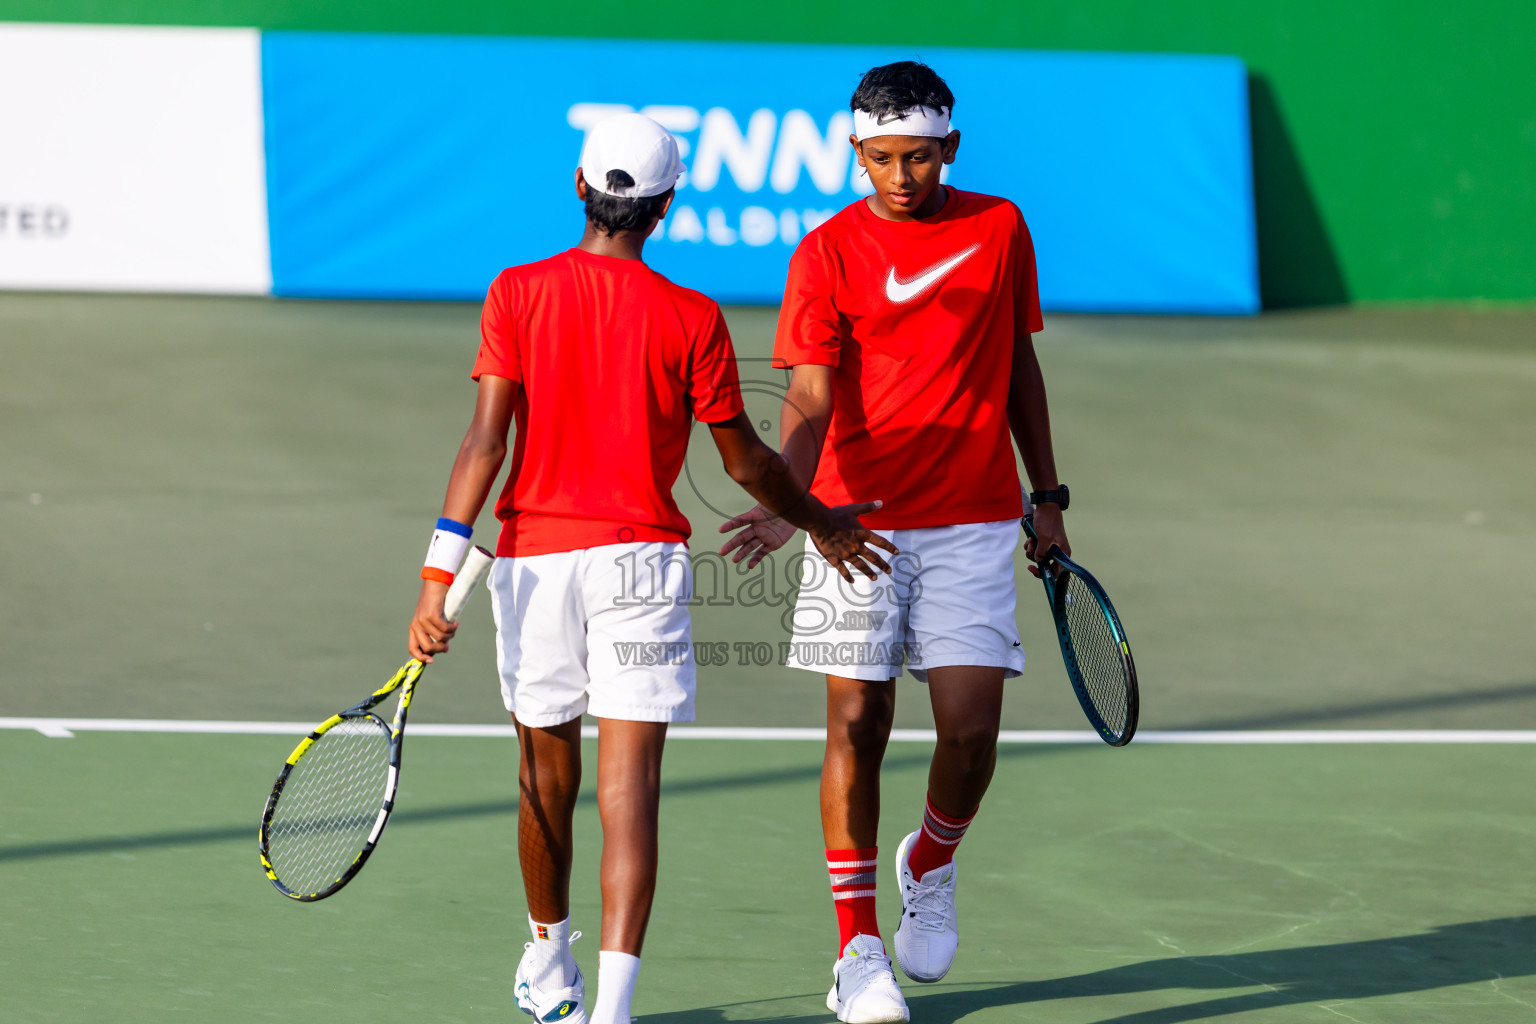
<point>610,214</point>
<point>894,88</point>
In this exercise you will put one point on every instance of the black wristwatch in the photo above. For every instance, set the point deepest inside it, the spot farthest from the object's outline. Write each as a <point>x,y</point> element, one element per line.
<point>1060,497</point>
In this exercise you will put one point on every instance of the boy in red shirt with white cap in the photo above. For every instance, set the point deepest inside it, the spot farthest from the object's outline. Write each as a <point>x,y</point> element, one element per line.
<point>604,364</point>
<point>906,324</point>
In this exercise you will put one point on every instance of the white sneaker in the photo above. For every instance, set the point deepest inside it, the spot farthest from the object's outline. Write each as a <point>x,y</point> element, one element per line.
<point>864,989</point>
<point>929,932</point>
<point>549,1005</point>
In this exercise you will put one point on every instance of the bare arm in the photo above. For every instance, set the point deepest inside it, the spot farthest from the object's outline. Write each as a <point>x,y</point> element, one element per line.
<point>769,477</point>
<point>803,420</point>
<point>469,484</point>
<point>1029,417</point>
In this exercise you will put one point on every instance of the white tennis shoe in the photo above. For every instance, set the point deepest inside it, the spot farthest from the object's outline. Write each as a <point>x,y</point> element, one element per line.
<point>864,989</point>
<point>550,1005</point>
<point>929,932</point>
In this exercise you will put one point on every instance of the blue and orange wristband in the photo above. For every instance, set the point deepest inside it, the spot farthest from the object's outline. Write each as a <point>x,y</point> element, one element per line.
<point>450,542</point>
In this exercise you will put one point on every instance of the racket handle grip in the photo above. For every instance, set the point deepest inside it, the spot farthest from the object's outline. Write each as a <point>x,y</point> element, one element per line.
<point>476,564</point>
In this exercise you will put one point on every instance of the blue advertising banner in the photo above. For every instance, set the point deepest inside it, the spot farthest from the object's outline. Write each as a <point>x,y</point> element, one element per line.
<point>419,166</point>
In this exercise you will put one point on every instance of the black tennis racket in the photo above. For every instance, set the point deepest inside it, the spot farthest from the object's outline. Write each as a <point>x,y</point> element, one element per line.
<point>1093,645</point>
<point>335,793</point>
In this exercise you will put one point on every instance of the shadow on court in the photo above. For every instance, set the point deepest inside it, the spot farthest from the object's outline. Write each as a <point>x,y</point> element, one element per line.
<point>452,812</point>
<point>1458,954</point>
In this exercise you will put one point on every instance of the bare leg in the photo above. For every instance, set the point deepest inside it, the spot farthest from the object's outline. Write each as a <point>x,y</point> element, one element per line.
<point>859,716</point>
<point>549,775</point>
<point>628,800</point>
<point>967,709</point>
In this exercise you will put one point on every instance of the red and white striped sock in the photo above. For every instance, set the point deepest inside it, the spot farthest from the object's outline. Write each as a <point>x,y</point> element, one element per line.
<point>853,893</point>
<point>937,841</point>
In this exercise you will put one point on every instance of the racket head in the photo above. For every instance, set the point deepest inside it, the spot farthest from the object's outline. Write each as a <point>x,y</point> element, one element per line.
<point>330,803</point>
<point>335,792</point>
<point>1094,648</point>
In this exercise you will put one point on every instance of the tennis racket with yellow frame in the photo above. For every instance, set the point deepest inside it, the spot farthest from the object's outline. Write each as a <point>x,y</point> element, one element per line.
<point>332,799</point>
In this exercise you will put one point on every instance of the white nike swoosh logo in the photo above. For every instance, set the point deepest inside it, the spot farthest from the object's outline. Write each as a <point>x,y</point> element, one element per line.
<point>902,291</point>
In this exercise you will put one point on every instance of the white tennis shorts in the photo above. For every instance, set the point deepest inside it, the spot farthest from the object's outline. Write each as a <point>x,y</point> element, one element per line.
<point>604,630</point>
<point>949,600</point>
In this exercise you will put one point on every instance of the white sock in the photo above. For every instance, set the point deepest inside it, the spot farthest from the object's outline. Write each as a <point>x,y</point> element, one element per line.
<point>553,965</point>
<point>616,975</point>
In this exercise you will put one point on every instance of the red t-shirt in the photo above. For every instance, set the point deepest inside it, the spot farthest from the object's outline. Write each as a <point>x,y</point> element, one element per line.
<point>615,362</point>
<point>919,317</point>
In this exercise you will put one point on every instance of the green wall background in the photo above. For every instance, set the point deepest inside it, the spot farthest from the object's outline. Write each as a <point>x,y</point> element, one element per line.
<point>1394,140</point>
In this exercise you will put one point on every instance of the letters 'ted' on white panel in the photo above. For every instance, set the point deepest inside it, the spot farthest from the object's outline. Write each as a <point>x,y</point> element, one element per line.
<point>132,159</point>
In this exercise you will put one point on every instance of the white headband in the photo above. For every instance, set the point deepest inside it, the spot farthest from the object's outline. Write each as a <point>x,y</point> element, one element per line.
<point>922,121</point>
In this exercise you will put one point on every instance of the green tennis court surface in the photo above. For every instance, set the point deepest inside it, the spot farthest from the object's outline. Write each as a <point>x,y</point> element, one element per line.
<point>1158,884</point>
<point>1305,520</point>
<point>215,509</point>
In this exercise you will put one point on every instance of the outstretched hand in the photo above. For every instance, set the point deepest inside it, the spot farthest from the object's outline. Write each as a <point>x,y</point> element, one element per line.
<point>761,532</point>
<point>847,543</point>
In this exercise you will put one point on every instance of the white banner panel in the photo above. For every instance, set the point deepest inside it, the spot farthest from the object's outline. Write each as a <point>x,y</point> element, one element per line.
<point>131,159</point>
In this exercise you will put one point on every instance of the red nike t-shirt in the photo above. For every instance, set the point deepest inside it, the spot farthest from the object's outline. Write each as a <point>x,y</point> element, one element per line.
<point>615,362</point>
<point>919,318</point>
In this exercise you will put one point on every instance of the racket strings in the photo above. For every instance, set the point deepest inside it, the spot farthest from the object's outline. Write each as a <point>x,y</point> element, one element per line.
<point>329,805</point>
<point>1098,654</point>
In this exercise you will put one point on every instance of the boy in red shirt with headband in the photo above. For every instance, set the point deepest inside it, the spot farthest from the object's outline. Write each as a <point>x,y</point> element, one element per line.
<point>604,364</point>
<point>906,324</point>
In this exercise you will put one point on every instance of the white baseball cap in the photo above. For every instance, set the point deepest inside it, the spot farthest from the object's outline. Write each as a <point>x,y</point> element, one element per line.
<point>636,145</point>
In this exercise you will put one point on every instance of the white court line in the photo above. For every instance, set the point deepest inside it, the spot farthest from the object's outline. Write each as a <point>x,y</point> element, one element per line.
<point>63,728</point>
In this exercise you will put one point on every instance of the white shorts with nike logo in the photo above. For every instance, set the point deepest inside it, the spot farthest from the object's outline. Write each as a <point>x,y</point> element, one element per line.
<point>949,600</point>
<point>604,630</point>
